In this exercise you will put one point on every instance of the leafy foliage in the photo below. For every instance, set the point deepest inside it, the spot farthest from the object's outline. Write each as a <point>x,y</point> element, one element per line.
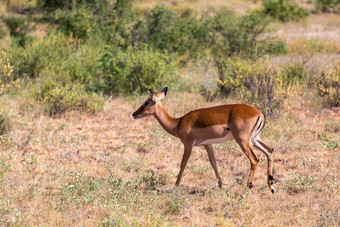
<point>109,19</point>
<point>241,35</point>
<point>6,74</point>
<point>284,10</point>
<point>3,32</point>
<point>165,30</point>
<point>18,28</point>
<point>136,71</point>
<point>40,54</point>
<point>58,99</point>
<point>327,5</point>
<point>258,82</point>
<point>328,87</point>
<point>78,22</point>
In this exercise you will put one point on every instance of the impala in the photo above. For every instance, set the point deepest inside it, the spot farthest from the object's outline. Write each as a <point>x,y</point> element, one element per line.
<point>207,126</point>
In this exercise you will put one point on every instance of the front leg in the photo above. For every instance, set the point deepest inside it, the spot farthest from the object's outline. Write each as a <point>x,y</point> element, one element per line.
<point>212,159</point>
<point>186,155</point>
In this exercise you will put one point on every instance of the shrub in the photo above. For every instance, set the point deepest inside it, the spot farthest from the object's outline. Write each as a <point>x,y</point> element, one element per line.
<point>6,74</point>
<point>136,71</point>
<point>164,29</point>
<point>328,87</point>
<point>3,32</point>
<point>111,20</point>
<point>18,28</point>
<point>240,35</point>
<point>40,54</point>
<point>284,10</point>
<point>58,98</point>
<point>78,22</point>
<point>304,70</point>
<point>295,73</point>
<point>55,4</point>
<point>5,125</point>
<point>327,6</point>
<point>255,81</point>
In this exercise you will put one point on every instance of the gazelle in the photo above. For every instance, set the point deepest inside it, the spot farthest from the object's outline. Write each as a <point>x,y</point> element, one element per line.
<point>204,127</point>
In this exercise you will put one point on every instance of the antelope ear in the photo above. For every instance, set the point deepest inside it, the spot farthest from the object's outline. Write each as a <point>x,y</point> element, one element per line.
<point>152,96</point>
<point>150,93</point>
<point>162,94</point>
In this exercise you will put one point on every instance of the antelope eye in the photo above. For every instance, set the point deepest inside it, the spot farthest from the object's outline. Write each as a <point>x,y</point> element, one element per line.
<point>146,103</point>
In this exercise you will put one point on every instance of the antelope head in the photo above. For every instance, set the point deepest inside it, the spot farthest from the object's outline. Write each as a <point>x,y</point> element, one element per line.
<point>151,105</point>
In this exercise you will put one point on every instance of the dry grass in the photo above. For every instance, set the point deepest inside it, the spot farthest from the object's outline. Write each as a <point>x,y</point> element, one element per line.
<point>319,28</point>
<point>110,169</point>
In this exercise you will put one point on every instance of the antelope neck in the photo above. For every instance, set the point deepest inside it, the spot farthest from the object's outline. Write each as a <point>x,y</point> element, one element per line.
<point>167,122</point>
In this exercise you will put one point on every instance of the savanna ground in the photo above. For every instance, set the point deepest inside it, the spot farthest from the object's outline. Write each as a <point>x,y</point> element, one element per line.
<point>108,169</point>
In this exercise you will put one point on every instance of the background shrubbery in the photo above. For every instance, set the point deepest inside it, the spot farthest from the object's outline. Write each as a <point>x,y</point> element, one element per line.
<point>328,86</point>
<point>258,82</point>
<point>6,74</point>
<point>58,98</point>
<point>284,10</point>
<point>105,47</point>
<point>327,5</point>
<point>136,71</point>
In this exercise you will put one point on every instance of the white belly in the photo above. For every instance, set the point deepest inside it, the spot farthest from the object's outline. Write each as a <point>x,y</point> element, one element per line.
<point>214,140</point>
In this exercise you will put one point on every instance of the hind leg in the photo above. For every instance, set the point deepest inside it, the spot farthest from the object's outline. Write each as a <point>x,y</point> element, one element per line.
<point>269,152</point>
<point>248,151</point>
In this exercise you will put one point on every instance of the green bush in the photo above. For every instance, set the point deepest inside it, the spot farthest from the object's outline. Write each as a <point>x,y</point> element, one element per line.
<point>136,71</point>
<point>284,10</point>
<point>17,26</point>
<point>18,29</point>
<point>78,22</point>
<point>60,57</point>
<point>164,29</point>
<point>40,54</point>
<point>58,98</point>
<point>3,32</point>
<point>295,73</point>
<point>327,5</point>
<point>52,5</point>
<point>240,35</point>
<point>5,124</point>
<point>110,20</point>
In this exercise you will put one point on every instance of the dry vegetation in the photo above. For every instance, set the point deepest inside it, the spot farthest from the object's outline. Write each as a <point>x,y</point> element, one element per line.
<point>107,169</point>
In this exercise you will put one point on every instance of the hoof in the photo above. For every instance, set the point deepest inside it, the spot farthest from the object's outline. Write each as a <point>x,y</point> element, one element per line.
<point>273,190</point>
<point>250,185</point>
<point>220,185</point>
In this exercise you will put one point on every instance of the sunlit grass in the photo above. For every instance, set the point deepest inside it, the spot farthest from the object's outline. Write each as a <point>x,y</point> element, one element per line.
<point>110,169</point>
